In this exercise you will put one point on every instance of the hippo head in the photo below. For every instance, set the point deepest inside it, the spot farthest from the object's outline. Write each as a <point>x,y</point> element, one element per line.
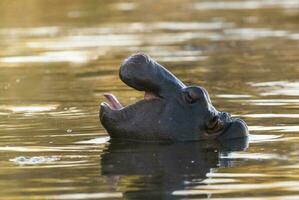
<point>170,110</point>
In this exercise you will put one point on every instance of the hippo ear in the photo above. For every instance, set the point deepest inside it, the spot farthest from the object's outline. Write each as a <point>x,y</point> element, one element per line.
<point>143,73</point>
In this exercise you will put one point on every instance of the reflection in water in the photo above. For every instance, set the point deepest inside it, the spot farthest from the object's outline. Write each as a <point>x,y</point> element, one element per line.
<point>171,167</point>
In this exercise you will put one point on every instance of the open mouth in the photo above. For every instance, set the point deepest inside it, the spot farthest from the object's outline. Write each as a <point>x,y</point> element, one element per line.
<point>141,120</point>
<point>114,104</point>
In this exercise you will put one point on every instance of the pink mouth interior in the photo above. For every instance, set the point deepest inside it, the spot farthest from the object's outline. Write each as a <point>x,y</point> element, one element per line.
<point>149,96</point>
<point>116,105</point>
<point>113,102</point>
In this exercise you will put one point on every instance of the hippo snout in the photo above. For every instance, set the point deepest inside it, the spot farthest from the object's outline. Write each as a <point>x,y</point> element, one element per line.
<point>170,110</point>
<point>236,129</point>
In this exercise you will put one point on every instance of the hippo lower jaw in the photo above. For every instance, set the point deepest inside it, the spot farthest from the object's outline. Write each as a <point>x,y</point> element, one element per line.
<point>231,128</point>
<point>120,120</point>
<point>114,109</point>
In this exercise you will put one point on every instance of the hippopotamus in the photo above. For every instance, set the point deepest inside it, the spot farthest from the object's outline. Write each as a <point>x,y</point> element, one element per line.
<point>170,110</point>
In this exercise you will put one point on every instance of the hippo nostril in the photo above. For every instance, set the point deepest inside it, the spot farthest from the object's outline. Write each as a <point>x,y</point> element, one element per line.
<point>226,117</point>
<point>227,114</point>
<point>215,118</point>
<point>212,122</point>
<point>214,125</point>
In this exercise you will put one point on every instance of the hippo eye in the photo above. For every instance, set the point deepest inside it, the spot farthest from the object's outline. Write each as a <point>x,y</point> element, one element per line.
<point>189,98</point>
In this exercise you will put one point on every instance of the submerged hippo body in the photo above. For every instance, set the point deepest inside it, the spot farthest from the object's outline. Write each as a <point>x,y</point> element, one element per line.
<point>170,110</point>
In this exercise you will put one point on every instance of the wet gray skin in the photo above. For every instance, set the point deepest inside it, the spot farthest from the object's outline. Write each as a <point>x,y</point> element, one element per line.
<point>170,110</point>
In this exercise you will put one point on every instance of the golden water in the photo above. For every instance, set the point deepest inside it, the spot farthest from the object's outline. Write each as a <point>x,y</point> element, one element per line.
<point>58,56</point>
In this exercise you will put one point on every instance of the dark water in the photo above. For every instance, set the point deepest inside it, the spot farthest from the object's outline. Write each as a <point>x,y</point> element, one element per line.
<point>58,57</point>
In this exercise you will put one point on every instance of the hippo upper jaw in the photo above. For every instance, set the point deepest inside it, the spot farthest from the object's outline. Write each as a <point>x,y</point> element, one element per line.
<point>142,121</point>
<point>114,110</point>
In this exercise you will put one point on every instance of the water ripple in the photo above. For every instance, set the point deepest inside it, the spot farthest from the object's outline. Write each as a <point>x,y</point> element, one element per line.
<point>247,4</point>
<point>275,128</point>
<point>29,108</point>
<point>21,160</point>
<point>254,156</point>
<point>101,195</point>
<point>284,88</point>
<point>271,115</point>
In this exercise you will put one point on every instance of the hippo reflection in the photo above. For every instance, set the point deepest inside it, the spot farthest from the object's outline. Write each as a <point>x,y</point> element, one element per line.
<point>170,110</point>
<point>132,168</point>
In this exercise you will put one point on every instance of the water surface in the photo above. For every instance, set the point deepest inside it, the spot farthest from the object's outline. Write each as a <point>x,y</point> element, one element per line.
<point>57,58</point>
